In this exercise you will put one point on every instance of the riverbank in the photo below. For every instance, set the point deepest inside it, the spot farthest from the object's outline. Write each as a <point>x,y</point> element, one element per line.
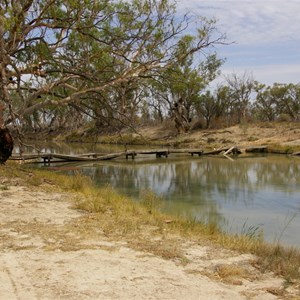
<point>282,136</point>
<point>62,242</point>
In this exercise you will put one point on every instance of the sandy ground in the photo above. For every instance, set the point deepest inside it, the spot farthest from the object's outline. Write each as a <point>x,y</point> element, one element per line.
<point>285,134</point>
<point>37,263</point>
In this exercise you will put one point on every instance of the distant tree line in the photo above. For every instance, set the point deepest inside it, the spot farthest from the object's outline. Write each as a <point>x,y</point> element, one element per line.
<point>242,99</point>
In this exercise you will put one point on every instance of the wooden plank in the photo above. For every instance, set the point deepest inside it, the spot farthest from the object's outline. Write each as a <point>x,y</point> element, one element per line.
<point>217,151</point>
<point>186,151</point>
<point>296,153</point>
<point>152,151</point>
<point>233,150</point>
<point>256,149</point>
<point>49,156</point>
<point>93,154</point>
<point>229,150</point>
<point>198,152</point>
<point>66,157</point>
<point>24,157</point>
<point>110,156</point>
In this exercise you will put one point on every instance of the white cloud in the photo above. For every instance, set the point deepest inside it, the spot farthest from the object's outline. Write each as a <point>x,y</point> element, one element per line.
<point>268,74</point>
<point>265,32</point>
<point>247,22</point>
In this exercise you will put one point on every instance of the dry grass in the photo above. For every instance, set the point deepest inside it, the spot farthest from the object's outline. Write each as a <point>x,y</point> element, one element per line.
<point>232,273</point>
<point>115,216</point>
<point>226,271</point>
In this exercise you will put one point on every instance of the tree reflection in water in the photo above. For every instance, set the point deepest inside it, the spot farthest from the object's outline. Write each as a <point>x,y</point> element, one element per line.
<point>260,190</point>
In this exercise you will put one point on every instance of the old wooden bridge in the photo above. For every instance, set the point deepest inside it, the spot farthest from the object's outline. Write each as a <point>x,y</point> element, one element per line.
<point>48,158</point>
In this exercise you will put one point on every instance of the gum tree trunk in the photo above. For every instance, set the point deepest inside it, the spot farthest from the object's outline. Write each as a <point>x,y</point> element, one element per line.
<point>6,145</point>
<point>6,141</point>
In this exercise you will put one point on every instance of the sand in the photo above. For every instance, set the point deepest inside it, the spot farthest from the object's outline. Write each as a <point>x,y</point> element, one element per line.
<point>37,263</point>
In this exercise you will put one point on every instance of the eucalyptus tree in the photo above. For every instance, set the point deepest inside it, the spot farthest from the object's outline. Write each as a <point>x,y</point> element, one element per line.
<point>77,53</point>
<point>187,88</point>
<point>182,85</point>
<point>279,101</point>
<point>265,105</point>
<point>240,89</point>
<point>288,100</point>
<point>213,106</point>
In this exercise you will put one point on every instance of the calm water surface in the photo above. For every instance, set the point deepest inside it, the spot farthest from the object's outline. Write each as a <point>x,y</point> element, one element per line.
<point>258,191</point>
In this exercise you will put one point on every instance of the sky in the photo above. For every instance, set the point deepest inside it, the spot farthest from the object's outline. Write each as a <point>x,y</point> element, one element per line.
<point>263,36</point>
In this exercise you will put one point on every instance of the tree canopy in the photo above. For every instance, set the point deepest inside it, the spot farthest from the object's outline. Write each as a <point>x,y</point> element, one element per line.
<point>73,57</point>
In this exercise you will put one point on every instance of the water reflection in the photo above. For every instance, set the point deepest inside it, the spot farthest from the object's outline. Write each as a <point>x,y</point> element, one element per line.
<point>70,148</point>
<point>256,191</point>
<point>250,191</point>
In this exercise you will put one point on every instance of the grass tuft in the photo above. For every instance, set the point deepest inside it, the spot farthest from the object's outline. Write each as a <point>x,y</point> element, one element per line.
<point>150,201</point>
<point>231,270</point>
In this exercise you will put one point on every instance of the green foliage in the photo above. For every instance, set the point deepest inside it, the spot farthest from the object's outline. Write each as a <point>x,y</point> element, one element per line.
<point>97,59</point>
<point>70,62</point>
<point>185,83</point>
<point>278,101</point>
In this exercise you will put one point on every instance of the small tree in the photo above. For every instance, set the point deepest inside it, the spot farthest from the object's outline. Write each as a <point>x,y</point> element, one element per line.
<point>288,99</point>
<point>277,100</point>
<point>240,89</point>
<point>265,105</point>
<point>214,107</point>
<point>182,85</point>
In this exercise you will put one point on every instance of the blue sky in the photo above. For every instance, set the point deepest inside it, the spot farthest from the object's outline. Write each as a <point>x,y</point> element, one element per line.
<point>266,36</point>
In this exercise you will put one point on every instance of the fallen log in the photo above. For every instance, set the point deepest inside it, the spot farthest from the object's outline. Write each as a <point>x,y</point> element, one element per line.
<point>226,151</point>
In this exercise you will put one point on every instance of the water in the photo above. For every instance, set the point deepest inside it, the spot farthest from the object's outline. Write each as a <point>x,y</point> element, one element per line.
<point>260,192</point>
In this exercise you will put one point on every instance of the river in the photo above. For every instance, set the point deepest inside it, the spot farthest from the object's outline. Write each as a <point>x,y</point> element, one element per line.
<point>253,193</point>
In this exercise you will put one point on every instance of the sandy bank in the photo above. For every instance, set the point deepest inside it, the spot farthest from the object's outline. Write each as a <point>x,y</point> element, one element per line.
<point>41,257</point>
